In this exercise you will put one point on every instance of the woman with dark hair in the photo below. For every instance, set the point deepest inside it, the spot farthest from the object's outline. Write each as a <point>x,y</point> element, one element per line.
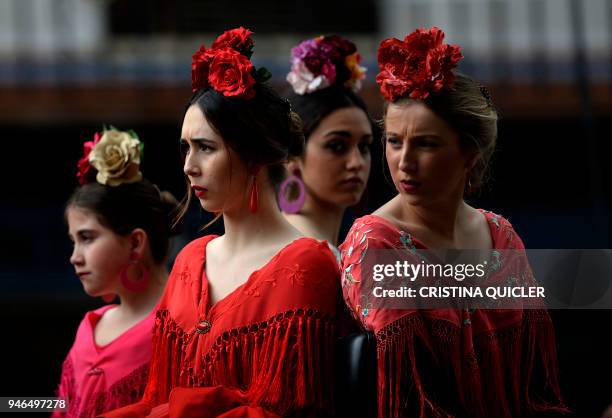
<point>245,326</point>
<point>440,132</point>
<point>120,226</point>
<point>332,172</point>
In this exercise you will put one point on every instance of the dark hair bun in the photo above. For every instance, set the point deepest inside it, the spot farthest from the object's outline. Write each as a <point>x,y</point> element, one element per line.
<point>170,206</point>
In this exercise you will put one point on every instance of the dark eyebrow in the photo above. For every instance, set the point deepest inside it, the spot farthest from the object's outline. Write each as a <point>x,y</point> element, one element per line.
<point>346,134</point>
<point>81,232</point>
<point>369,137</point>
<point>199,140</point>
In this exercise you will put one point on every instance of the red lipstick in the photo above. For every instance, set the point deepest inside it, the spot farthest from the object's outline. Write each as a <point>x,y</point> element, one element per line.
<point>409,186</point>
<point>199,191</point>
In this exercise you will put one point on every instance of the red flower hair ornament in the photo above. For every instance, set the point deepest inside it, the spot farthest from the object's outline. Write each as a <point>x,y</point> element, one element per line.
<point>84,166</point>
<point>419,65</point>
<point>226,66</point>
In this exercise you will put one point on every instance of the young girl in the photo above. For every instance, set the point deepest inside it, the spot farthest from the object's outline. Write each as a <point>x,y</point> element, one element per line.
<point>120,226</point>
<point>333,171</point>
<point>245,325</point>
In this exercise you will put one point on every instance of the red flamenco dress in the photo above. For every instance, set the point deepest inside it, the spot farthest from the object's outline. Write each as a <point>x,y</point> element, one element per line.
<point>262,351</point>
<point>453,362</point>
<point>98,378</point>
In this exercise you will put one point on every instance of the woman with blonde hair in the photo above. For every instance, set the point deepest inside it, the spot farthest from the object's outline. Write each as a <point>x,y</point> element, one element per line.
<point>440,131</point>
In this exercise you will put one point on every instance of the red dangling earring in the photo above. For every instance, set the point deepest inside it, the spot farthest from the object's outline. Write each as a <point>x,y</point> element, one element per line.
<point>141,280</point>
<point>254,196</point>
<point>254,193</point>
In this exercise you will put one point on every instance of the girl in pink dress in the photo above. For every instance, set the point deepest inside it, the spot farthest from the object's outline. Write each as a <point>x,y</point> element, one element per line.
<point>440,132</point>
<point>120,226</point>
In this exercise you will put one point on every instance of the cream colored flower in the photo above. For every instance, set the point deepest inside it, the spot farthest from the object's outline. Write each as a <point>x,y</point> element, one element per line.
<point>117,158</point>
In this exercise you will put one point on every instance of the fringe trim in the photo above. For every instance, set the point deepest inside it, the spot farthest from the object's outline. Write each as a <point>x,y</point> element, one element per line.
<point>283,364</point>
<point>66,388</point>
<point>496,378</point>
<point>125,391</point>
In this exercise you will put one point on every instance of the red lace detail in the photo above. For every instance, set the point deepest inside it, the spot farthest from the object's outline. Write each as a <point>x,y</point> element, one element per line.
<point>282,364</point>
<point>66,389</point>
<point>125,391</point>
<point>510,372</point>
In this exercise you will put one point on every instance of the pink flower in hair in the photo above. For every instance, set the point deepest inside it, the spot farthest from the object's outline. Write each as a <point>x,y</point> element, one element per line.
<point>324,61</point>
<point>84,166</point>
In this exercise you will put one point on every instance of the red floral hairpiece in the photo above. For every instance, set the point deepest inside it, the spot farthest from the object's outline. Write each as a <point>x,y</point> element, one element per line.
<point>84,173</point>
<point>419,65</point>
<point>226,67</point>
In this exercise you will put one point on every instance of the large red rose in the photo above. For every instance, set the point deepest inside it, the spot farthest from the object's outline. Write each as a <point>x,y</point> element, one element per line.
<point>230,73</point>
<point>83,166</point>
<point>200,63</point>
<point>238,39</point>
<point>441,62</point>
<point>393,77</point>
<point>420,65</point>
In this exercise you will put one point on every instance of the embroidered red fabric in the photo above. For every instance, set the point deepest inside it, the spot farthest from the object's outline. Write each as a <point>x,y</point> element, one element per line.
<point>449,363</point>
<point>267,350</point>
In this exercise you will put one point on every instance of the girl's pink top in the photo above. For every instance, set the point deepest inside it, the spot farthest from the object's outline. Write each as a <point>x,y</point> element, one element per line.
<point>97,378</point>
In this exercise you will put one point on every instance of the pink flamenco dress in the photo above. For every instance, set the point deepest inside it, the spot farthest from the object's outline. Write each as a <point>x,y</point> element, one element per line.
<point>453,362</point>
<point>97,378</point>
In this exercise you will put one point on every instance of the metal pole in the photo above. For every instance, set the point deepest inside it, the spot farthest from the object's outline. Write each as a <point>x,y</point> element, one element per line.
<point>595,173</point>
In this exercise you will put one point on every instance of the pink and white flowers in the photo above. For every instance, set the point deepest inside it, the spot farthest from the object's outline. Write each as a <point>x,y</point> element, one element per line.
<point>325,61</point>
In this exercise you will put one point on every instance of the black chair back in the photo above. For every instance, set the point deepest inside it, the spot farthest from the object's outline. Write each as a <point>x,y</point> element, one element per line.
<point>355,389</point>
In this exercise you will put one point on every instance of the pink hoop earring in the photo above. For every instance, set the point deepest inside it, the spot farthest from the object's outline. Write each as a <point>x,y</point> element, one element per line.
<point>296,205</point>
<point>141,282</point>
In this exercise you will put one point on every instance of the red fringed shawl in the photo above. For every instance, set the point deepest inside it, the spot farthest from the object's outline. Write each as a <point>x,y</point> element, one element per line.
<point>99,378</point>
<point>262,351</point>
<point>444,362</point>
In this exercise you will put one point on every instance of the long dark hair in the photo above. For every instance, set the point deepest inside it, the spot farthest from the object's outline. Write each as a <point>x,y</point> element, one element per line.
<point>314,107</point>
